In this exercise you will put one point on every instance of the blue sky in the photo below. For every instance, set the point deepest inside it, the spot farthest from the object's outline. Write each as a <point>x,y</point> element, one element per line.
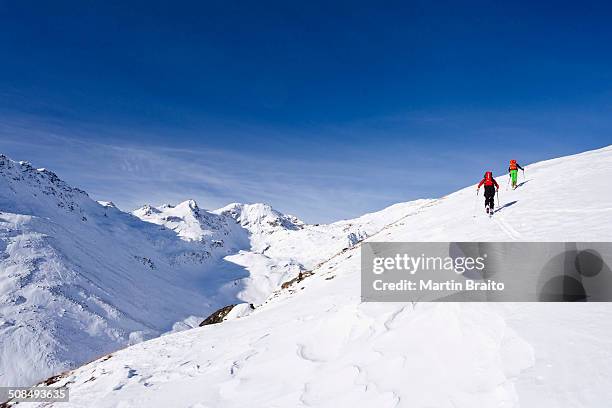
<point>325,110</point>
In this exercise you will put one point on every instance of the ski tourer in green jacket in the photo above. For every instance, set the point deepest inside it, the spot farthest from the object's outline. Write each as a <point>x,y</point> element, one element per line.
<point>513,170</point>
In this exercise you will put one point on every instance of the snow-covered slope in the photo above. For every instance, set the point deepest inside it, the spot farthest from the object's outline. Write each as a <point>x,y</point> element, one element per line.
<point>316,344</point>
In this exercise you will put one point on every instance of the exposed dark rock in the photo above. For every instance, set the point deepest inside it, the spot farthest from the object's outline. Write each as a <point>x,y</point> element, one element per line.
<point>145,261</point>
<point>53,379</point>
<point>218,316</point>
<point>301,276</point>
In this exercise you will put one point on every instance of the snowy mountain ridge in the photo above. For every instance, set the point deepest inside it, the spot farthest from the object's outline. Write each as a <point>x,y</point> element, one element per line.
<point>191,222</point>
<point>217,233</point>
<point>21,182</point>
<point>260,218</point>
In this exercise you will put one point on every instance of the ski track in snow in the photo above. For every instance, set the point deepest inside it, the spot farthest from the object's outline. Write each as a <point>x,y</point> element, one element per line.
<point>506,228</point>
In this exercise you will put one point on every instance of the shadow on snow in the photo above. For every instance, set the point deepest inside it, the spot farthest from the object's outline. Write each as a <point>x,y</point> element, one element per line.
<point>506,205</point>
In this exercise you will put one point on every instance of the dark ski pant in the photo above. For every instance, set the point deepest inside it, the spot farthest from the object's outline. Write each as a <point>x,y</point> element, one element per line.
<point>489,193</point>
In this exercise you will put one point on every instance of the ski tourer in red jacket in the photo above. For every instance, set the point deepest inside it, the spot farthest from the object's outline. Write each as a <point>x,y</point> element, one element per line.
<point>488,180</point>
<point>490,187</point>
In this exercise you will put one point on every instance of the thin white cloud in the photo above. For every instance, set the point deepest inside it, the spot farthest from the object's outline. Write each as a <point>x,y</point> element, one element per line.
<point>131,175</point>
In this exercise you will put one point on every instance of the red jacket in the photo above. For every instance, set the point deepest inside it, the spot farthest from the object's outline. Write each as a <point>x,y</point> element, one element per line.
<point>488,180</point>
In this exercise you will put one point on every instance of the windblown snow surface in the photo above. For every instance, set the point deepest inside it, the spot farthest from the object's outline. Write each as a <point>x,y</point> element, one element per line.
<point>315,344</point>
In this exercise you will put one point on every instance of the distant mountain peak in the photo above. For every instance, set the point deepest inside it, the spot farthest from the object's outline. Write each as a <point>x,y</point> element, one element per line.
<point>260,217</point>
<point>145,210</point>
<point>190,205</point>
<point>192,223</point>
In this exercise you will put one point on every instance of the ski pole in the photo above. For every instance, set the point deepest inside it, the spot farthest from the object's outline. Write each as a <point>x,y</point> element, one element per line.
<point>475,202</point>
<point>523,174</point>
<point>508,183</point>
<point>498,202</point>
